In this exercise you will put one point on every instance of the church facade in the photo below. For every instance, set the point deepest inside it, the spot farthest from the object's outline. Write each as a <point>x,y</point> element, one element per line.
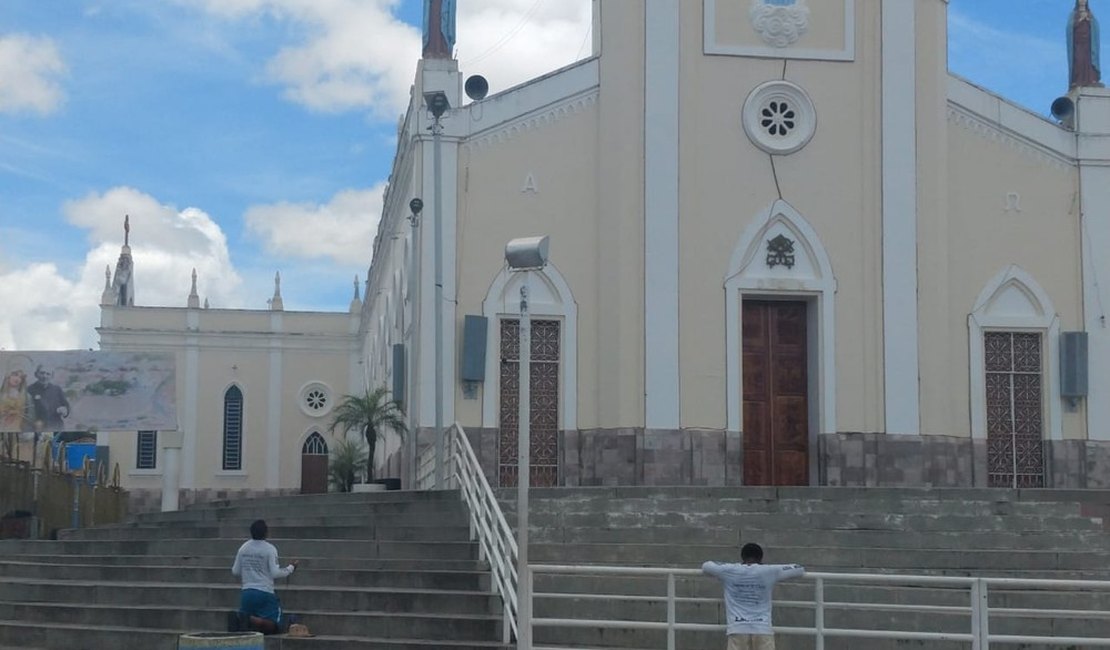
<point>788,247</point>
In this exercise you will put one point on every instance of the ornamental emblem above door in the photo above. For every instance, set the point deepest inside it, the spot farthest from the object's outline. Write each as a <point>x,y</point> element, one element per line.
<point>780,23</point>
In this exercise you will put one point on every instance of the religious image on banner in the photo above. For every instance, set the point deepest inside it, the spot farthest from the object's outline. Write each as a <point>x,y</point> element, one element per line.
<point>87,391</point>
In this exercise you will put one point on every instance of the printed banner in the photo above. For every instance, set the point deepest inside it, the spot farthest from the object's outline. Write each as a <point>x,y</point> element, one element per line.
<point>87,391</point>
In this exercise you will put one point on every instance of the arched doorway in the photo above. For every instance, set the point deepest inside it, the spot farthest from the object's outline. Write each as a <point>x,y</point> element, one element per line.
<point>314,465</point>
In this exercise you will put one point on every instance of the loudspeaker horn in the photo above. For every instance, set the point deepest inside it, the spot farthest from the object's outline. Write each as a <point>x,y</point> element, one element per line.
<point>1063,108</point>
<point>476,87</point>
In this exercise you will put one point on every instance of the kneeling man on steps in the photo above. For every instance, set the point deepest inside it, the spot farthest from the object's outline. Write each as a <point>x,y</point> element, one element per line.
<point>257,564</point>
<point>748,588</point>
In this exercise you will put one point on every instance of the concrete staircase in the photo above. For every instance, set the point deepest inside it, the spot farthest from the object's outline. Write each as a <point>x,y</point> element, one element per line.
<point>999,533</point>
<point>385,571</point>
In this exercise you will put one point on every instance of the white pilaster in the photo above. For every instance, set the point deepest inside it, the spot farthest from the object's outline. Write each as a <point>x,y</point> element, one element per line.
<point>1093,125</point>
<point>273,406</point>
<point>899,205</point>
<point>187,416</point>
<point>171,442</point>
<point>661,179</point>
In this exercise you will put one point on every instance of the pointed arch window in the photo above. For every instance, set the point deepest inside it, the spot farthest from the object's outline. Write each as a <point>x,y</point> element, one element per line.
<point>233,429</point>
<point>315,445</point>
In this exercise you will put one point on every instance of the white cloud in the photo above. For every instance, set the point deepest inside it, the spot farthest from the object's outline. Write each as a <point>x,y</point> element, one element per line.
<point>356,54</point>
<point>29,71</point>
<point>342,230</point>
<point>47,308</point>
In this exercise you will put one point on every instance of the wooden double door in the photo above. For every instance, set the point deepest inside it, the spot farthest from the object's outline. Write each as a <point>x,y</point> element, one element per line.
<point>775,392</point>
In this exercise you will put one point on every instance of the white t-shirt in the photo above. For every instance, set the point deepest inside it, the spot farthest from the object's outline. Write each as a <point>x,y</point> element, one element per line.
<point>748,592</point>
<point>257,563</point>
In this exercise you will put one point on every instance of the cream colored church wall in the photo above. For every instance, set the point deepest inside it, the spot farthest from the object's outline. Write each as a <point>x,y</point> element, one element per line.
<point>985,237</point>
<point>219,370</point>
<point>618,368</point>
<point>936,354</point>
<point>301,367</point>
<point>833,182</point>
<point>541,181</point>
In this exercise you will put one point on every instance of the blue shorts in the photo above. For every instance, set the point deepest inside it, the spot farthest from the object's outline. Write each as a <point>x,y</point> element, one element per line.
<point>263,604</point>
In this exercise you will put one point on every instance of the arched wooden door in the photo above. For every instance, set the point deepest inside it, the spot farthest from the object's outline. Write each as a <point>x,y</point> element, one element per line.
<point>314,465</point>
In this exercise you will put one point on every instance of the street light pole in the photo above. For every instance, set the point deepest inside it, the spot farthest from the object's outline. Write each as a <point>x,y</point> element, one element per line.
<point>524,473</point>
<point>416,206</point>
<point>524,255</point>
<point>438,104</point>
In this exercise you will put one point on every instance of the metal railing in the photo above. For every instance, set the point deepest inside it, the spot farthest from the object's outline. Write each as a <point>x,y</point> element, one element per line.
<point>495,539</point>
<point>978,611</point>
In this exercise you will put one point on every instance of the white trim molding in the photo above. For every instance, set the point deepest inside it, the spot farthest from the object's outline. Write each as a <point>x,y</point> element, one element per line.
<point>787,51</point>
<point>550,297</point>
<point>810,278</point>
<point>661,232</point>
<point>901,381</point>
<point>1013,301</point>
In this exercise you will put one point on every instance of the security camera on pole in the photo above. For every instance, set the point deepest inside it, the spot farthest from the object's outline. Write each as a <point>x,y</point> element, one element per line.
<point>524,255</point>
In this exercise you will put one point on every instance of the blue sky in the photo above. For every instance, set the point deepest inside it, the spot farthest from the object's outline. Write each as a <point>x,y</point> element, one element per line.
<point>248,136</point>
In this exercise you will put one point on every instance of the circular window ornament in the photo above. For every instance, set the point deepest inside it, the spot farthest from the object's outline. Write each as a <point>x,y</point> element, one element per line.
<point>779,117</point>
<point>316,399</point>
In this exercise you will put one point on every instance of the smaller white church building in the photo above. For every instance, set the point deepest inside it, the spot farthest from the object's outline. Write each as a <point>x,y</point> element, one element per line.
<point>788,247</point>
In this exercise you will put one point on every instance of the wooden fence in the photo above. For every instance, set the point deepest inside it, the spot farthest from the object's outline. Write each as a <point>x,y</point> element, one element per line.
<point>56,498</point>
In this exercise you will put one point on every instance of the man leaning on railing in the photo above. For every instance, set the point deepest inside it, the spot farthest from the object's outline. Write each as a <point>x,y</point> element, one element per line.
<point>748,588</point>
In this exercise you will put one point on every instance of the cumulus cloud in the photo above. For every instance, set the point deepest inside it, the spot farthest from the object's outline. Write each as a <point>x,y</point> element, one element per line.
<point>29,70</point>
<point>342,229</point>
<point>357,54</point>
<point>46,307</point>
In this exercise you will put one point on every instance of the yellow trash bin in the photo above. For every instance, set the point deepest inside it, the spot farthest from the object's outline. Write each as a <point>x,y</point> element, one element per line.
<point>221,641</point>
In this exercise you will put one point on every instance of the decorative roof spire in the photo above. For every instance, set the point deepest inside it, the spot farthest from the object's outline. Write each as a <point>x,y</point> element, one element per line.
<point>1084,66</point>
<point>439,29</point>
<point>356,302</point>
<point>107,297</point>
<point>276,303</point>
<point>123,285</point>
<point>194,298</point>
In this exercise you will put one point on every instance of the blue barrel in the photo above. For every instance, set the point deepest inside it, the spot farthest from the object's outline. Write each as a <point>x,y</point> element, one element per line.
<point>221,641</point>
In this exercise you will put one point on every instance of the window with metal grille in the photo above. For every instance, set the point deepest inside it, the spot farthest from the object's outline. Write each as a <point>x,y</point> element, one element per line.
<point>233,429</point>
<point>146,452</point>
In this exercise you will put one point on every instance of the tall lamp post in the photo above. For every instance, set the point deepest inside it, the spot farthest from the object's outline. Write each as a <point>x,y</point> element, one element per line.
<point>438,104</point>
<point>524,255</point>
<point>416,206</point>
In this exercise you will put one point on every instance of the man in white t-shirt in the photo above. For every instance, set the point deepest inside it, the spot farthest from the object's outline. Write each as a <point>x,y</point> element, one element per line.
<point>748,588</point>
<point>257,564</point>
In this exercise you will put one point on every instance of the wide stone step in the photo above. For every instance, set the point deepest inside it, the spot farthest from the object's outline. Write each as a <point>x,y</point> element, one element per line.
<point>400,624</point>
<point>361,532</point>
<point>68,636</point>
<point>308,575</point>
<point>833,559</point>
<point>368,511</point>
<point>223,562</point>
<point>1035,522</point>
<point>289,548</point>
<point>390,496</point>
<point>294,596</point>
<point>1009,540</point>
<point>726,506</point>
<point>457,516</point>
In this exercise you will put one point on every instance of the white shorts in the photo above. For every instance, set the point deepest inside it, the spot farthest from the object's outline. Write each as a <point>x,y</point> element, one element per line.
<point>751,642</point>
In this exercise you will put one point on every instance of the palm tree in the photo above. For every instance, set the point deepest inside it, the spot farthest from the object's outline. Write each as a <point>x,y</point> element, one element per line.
<point>371,413</point>
<point>346,457</point>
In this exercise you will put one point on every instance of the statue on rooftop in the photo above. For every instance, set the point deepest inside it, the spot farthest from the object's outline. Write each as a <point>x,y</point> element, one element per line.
<point>1084,68</point>
<point>439,29</point>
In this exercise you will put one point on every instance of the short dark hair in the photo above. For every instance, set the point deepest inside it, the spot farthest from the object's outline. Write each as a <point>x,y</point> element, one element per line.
<point>259,529</point>
<point>751,553</point>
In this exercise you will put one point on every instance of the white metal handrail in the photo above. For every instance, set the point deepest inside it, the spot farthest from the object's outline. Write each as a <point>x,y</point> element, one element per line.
<point>978,610</point>
<point>496,542</point>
